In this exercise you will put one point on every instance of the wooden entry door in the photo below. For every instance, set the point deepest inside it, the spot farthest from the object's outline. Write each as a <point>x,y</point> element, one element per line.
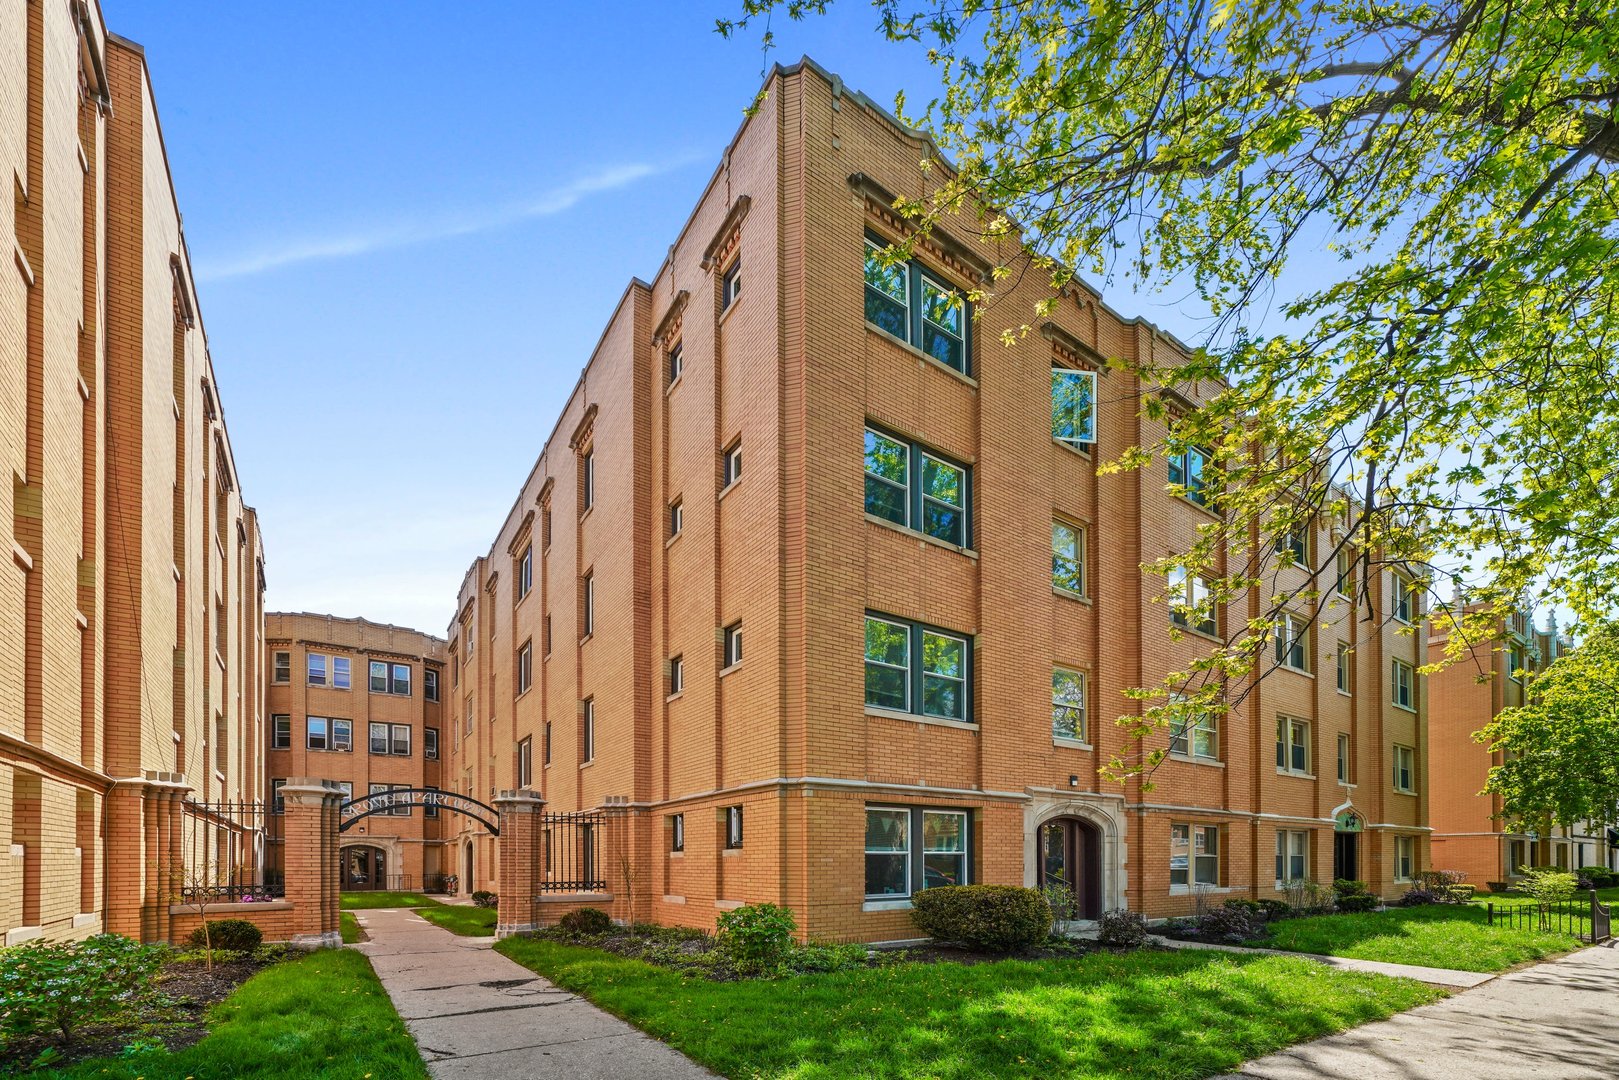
<point>1070,855</point>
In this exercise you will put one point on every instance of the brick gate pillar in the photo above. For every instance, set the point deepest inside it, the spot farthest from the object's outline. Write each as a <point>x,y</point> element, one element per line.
<point>518,861</point>
<point>309,846</point>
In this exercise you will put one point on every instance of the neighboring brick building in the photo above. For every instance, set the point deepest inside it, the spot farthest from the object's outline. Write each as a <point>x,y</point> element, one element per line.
<point>1468,831</point>
<point>359,703</point>
<point>780,586</point>
<point>131,585</point>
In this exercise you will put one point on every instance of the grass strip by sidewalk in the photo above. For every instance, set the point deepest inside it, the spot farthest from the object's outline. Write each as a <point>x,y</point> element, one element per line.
<point>324,1015</point>
<point>459,919</point>
<point>350,928</point>
<point>1451,936</point>
<point>1167,1015</point>
<point>357,901</point>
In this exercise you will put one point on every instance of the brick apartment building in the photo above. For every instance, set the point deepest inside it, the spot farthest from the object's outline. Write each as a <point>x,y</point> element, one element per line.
<point>130,590</point>
<point>1468,831</point>
<point>808,547</point>
<point>359,703</point>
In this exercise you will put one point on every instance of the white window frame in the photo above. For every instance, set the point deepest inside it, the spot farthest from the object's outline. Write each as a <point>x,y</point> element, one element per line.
<point>347,739</point>
<point>430,743</point>
<point>677,674</point>
<point>1190,595</point>
<point>587,479</point>
<point>315,669</point>
<point>1192,873</point>
<point>1066,551</point>
<point>277,721</point>
<point>1078,712</point>
<point>342,673</point>
<point>1292,851</point>
<point>1293,634</point>
<point>731,468</point>
<point>731,638</point>
<point>283,668</point>
<point>1405,598</point>
<point>525,572</point>
<point>733,828</point>
<point>1405,858</point>
<point>525,667</point>
<point>1288,731</point>
<point>1405,756</point>
<point>1207,725</point>
<point>325,733</point>
<point>1075,432</point>
<point>1345,673</point>
<point>677,518</point>
<point>587,727</point>
<point>1346,765</point>
<point>731,285</point>
<point>1403,679</point>
<point>677,833</point>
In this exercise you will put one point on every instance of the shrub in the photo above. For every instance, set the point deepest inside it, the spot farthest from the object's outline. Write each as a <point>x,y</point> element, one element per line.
<point>1064,904</point>
<point>995,918</point>
<point>58,987</point>
<point>1250,906</point>
<point>586,921</point>
<point>484,898</point>
<point>1461,894</point>
<point>1230,925</point>
<point>1354,902</point>
<point>1274,910</point>
<point>1549,886</point>
<point>1416,896</point>
<point>1307,896</point>
<point>1346,887</point>
<point>234,935</point>
<point>756,936</point>
<point>820,959</point>
<point>1598,877</point>
<point>1445,884</point>
<point>1122,929</point>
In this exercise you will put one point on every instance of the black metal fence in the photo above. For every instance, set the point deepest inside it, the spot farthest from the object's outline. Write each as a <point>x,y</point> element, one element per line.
<point>224,853</point>
<point>425,883</point>
<point>571,852</point>
<point>1586,918</point>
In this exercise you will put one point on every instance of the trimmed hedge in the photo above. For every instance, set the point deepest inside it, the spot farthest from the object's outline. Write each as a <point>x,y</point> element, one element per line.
<point>232,935</point>
<point>586,921</point>
<point>994,918</point>
<point>485,898</point>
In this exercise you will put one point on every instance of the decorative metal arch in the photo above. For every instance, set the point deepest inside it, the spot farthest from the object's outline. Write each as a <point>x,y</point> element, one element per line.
<point>383,801</point>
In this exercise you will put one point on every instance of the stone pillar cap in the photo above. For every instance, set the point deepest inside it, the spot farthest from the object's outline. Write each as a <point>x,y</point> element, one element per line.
<point>519,796</point>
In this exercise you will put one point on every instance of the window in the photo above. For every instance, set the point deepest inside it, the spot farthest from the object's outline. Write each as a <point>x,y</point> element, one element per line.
<point>392,739</point>
<point>731,467</point>
<point>1293,546</point>
<point>525,667</point>
<point>386,678</point>
<point>317,736</point>
<point>1405,598</point>
<point>1346,573</point>
<point>546,748</point>
<point>905,300</point>
<point>347,788</point>
<point>1517,856</point>
<point>1194,855</point>
<point>1343,667</point>
<point>677,675</point>
<point>280,732</point>
<point>1292,746</point>
<point>1073,407</point>
<point>378,677</point>
<point>1068,558</point>
<point>1186,470</point>
<point>1405,858</point>
<point>317,669</point>
<point>469,716</point>
<point>1196,737</point>
<point>915,489</point>
<point>731,653</point>
<point>430,743</point>
<point>677,518</point>
<point>430,810</point>
<point>731,285</point>
<point>587,725</point>
<point>894,832</point>
<point>546,633</point>
<point>1343,759</point>
<point>1292,637</point>
<point>275,796</point>
<point>525,763</point>
<point>1191,601</point>
<point>677,832</point>
<point>340,672</point>
<point>396,811</point>
<point>1405,770</point>
<point>283,667</point>
<point>430,684</point>
<point>1403,685</point>
<point>587,480</point>
<point>525,572</point>
<point>1068,704</point>
<point>400,683</point>
<point>343,735</point>
<point>677,363</point>
<point>733,827</point>
<point>1292,855</point>
<point>916,669</point>
<point>588,621</point>
<point>1515,664</point>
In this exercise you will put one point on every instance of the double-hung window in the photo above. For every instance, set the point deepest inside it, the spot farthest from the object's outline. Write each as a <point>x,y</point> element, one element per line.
<point>677,363</point>
<point>733,827</point>
<point>1191,601</point>
<point>1068,704</point>
<point>340,672</point>
<point>1196,736</point>
<point>399,680</point>
<point>429,684</point>
<point>525,667</point>
<point>283,667</point>
<point>1405,770</point>
<point>1186,472</point>
<point>587,614</point>
<point>677,518</point>
<point>400,810</point>
<point>917,669</point>
<point>895,834</point>
<point>1293,545</point>
<point>916,306</point>
<point>1073,407</point>
<point>587,480</point>
<point>317,735</point>
<point>1515,663</point>
<point>731,646</point>
<point>1405,858</point>
<point>1292,855</point>
<point>1292,643</point>
<point>317,669</point>
<point>525,572</point>
<point>280,732</point>
<point>391,739</point>
<point>1405,598</point>
<point>677,832</point>
<point>1194,855</point>
<point>731,465</point>
<point>1345,585</point>
<point>916,489</point>
<point>587,726</point>
<point>378,677</point>
<point>525,763</point>
<point>1345,659</point>
<point>342,735</point>
<point>1292,746</point>
<point>1403,685</point>
<point>430,743</point>
<point>677,675</point>
<point>731,285</point>
<point>1343,759</point>
<point>1068,558</point>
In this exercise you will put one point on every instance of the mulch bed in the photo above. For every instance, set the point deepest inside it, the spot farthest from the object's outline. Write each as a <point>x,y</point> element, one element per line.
<point>176,1015</point>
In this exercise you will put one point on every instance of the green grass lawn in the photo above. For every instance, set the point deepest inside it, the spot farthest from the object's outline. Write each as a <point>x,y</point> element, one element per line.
<point>359,900</point>
<point>349,926</point>
<point>319,1016</point>
<point>458,919</point>
<point>1441,935</point>
<point>1143,1014</point>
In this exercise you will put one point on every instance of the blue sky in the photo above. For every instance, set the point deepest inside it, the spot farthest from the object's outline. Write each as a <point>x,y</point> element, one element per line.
<point>409,222</point>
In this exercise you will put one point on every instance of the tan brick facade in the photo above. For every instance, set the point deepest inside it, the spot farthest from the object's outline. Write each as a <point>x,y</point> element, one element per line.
<point>344,698</point>
<point>790,372</point>
<point>131,587</point>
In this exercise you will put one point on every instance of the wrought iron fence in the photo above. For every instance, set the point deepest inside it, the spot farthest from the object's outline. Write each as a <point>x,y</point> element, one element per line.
<point>571,852</point>
<point>223,856</point>
<point>1586,918</point>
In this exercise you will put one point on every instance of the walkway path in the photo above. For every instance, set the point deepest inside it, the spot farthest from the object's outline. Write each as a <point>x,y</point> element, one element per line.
<point>1553,1021</point>
<point>1446,977</point>
<point>476,1015</point>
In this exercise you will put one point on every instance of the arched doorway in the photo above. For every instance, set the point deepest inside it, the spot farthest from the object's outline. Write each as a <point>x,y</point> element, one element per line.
<point>1069,850</point>
<point>365,868</point>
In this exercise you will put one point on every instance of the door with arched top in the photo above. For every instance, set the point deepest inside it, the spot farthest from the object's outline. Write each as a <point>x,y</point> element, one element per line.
<point>1070,853</point>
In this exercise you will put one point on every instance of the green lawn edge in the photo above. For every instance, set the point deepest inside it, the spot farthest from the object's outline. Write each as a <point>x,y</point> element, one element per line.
<point>324,1015</point>
<point>460,919</point>
<point>1441,936</point>
<point>1177,1015</point>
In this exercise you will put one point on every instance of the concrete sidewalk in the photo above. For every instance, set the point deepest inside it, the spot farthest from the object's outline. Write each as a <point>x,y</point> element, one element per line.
<point>476,1015</point>
<point>1553,1021</point>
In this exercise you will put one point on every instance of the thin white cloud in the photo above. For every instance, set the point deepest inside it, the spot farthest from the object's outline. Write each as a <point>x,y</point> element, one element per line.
<point>441,227</point>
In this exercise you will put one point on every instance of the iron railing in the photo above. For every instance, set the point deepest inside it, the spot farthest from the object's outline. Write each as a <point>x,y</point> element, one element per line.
<point>570,852</point>
<point>223,856</point>
<point>1587,918</point>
